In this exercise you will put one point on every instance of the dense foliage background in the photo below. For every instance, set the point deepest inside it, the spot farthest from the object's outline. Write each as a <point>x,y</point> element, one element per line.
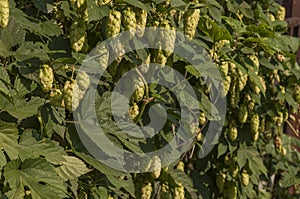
<point>43,44</point>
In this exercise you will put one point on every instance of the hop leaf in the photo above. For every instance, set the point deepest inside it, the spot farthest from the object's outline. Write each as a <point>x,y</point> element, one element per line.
<point>57,98</point>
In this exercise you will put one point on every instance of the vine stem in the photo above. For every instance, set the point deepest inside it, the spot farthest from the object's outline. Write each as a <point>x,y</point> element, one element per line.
<point>293,129</point>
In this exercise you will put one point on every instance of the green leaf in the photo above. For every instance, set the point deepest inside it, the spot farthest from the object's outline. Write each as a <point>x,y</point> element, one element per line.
<point>138,4</point>
<point>37,175</point>
<point>9,139</point>
<point>177,4</point>
<point>31,50</point>
<point>23,109</point>
<point>191,69</point>
<point>4,50</point>
<point>13,35</point>
<point>71,168</point>
<point>44,5</point>
<point>111,174</point>
<point>4,90</point>
<point>95,12</point>
<point>256,165</point>
<point>51,28</point>
<point>31,148</point>
<point>215,13</point>
<point>221,149</point>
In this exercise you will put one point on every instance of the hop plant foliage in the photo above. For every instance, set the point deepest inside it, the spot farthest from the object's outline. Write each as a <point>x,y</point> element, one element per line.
<point>43,59</point>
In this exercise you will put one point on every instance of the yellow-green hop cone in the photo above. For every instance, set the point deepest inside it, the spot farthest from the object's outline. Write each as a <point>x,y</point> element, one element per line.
<point>254,127</point>
<point>78,4</point>
<point>202,119</point>
<point>78,35</point>
<point>134,111</point>
<point>245,177</point>
<point>4,13</point>
<point>280,13</point>
<point>234,170</point>
<point>103,2</point>
<point>139,90</point>
<point>220,181</point>
<point>129,21</point>
<point>226,86</point>
<point>83,80</point>
<point>296,94</point>
<point>255,60</point>
<point>180,166</point>
<point>165,191</point>
<point>167,37</point>
<point>179,191</point>
<point>161,58</point>
<point>141,21</point>
<point>243,113</point>
<point>242,80</point>
<point>57,98</point>
<point>191,19</point>
<point>271,17</point>
<point>155,167</point>
<point>103,55</point>
<point>146,191</point>
<point>46,77</point>
<point>224,67</point>
<point>113,24</point>
<point>118,49</point>
<point>72,95</point>
<point>232,133</point>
